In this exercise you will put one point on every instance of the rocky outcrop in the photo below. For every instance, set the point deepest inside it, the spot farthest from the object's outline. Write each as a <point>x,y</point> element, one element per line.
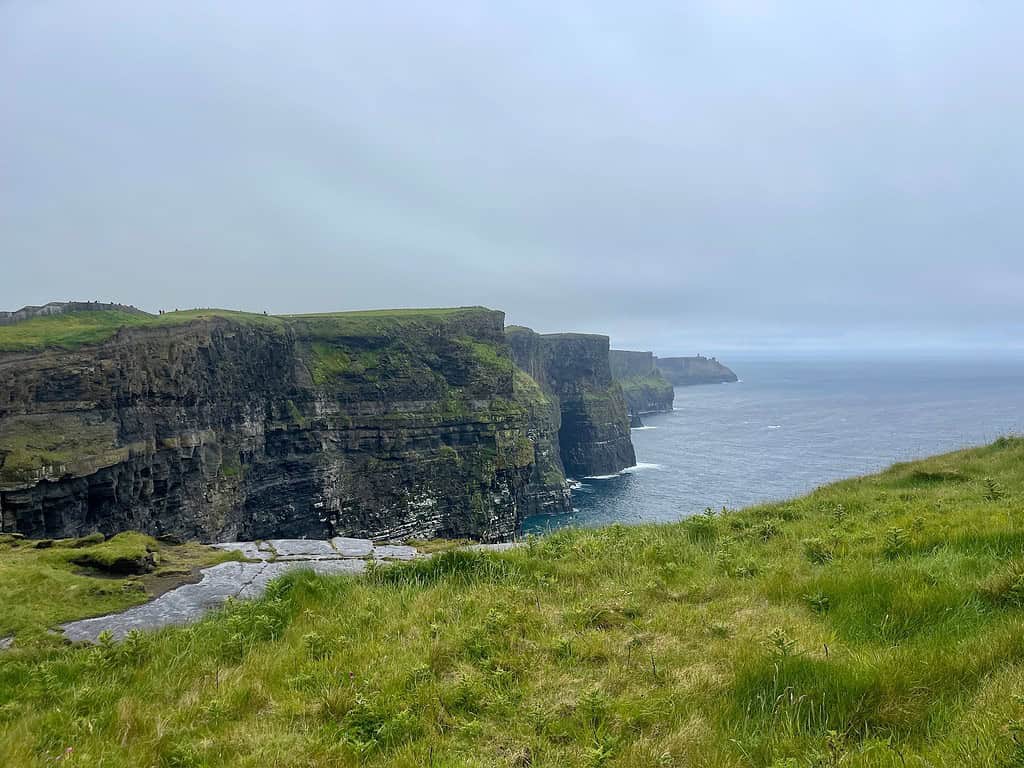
<point>574,370</point>
<point>645,389</point>
<point>684,371</point>
<point>216,426</point>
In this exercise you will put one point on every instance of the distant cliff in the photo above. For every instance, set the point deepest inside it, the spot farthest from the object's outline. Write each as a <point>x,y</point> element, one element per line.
<point>220,425</point>
<point>684,371</point>
<point>574,369</point>
<point>645,389</point>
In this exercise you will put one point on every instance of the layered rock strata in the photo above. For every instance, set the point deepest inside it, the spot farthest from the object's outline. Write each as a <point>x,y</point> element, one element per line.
<point>574,370</point>
<point>217,425</point>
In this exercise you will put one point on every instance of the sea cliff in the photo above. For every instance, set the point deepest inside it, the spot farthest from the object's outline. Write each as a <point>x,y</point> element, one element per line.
<point>221,425</point>
<point>574,369</point>
<point>643,385</point>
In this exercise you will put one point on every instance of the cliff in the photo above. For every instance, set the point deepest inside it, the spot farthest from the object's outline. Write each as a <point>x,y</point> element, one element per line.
<point>645,389</point>
<point>574,370</point>
<point>684,371</point>
<point>223,425</point>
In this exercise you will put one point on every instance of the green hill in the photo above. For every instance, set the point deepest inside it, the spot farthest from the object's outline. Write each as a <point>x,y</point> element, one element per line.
<point>875,622</point>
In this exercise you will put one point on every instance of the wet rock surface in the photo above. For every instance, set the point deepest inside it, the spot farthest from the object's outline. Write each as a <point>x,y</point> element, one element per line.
<point>245,580</point>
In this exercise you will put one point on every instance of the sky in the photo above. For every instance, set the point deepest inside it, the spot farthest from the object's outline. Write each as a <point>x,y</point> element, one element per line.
<point>703,176</point>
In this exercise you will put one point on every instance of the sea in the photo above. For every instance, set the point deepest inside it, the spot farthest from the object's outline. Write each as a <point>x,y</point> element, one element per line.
<point>789,426</point>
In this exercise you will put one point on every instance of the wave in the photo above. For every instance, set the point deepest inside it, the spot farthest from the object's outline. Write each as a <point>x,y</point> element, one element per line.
<point>774,426</point>
<point>639,467</point>
<point>640,429</point>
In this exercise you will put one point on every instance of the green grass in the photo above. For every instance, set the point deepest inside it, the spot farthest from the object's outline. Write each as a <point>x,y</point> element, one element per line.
<point>68,331</point>
<point>76,329</point>
<point>43,584</point>
<point>34,441</point>
<point>806,633</point>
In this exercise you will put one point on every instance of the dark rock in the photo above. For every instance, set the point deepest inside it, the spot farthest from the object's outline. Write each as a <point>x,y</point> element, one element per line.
<point>574,369</point>
<point>373,425</point>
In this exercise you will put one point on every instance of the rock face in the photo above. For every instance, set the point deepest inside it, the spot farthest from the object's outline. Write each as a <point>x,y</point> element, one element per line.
<point>574,370</point>
<point>217,426</point>
<point>684,371</point>
<point>646,390</point>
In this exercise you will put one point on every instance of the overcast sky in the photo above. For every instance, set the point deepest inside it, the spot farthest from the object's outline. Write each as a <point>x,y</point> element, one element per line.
<point>703,175</point>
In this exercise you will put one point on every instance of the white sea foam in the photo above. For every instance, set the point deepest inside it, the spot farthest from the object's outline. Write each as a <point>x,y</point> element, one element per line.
<point>641,429</point>
<point>774,426</point>
<point>639,467</point>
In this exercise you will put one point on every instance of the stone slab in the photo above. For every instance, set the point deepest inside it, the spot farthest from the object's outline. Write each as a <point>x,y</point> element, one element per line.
<point>394,552</point>
<point>352,547</point>
<point>502,547</point>
<point>244,581</point>
<point>302,547</point>
<point>249,549</point>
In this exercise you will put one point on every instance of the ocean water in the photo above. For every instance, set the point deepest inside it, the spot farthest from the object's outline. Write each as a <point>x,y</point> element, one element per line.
<point>790,426</point>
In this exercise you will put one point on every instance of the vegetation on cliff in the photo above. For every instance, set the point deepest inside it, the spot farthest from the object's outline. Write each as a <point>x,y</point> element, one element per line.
<point>652,392</point>
<point>875,622</point>
<point>72,330</point>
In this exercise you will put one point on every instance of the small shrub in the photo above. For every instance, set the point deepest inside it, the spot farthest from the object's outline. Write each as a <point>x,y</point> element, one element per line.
<point>839,514</point>
<point>818,602</point>
<point>701,529</point>
<point>896,543</point>
<point>780,644</point>
<point>818,551</point>
<point>317,647</point>
<point>768,529</point>
<point>993,491</point>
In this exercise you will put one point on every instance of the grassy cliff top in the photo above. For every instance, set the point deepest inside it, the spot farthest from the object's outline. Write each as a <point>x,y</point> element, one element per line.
<point>875,622</point>
<point>72,330</point>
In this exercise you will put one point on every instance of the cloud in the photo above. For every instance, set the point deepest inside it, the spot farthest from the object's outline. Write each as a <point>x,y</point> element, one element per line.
<point>736,172</point>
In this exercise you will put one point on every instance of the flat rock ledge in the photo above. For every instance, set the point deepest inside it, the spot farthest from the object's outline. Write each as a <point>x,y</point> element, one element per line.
<point>244,581</point>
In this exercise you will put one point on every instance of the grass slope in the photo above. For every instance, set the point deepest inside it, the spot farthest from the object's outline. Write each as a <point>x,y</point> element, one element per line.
<point>45,583</point>
<point>876,622</point>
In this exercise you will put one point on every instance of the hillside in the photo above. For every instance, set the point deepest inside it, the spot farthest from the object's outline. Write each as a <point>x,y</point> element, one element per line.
<point>875,622</point>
